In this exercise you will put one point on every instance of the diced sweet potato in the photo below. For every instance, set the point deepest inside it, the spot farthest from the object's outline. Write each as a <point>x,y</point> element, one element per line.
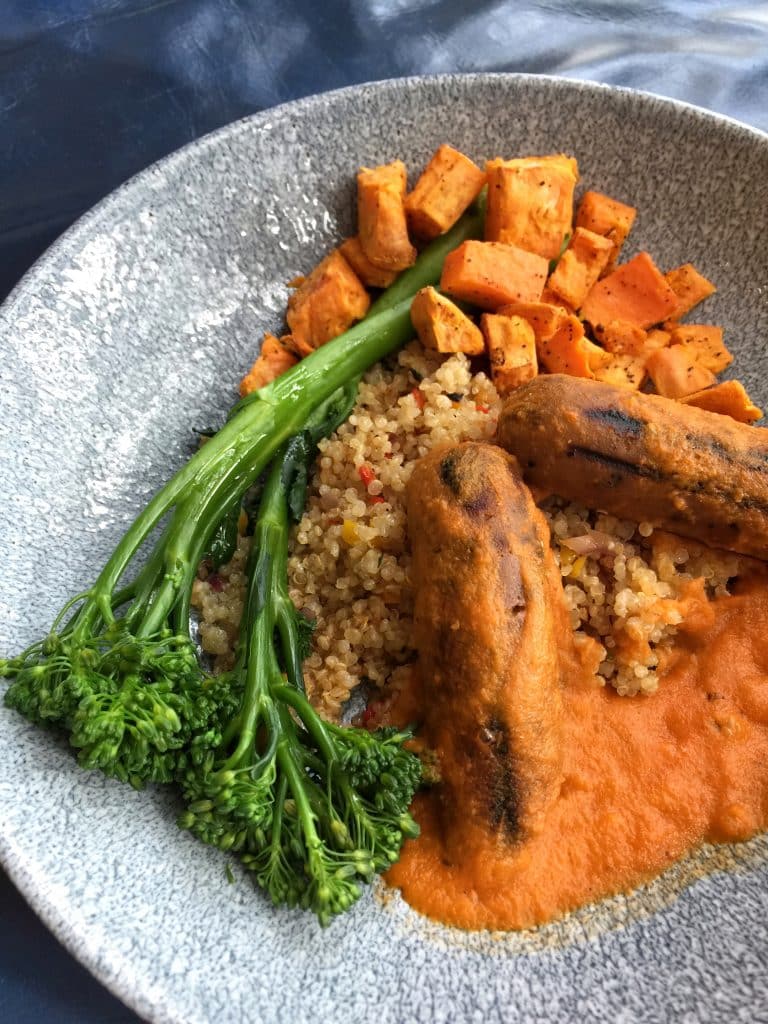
<point>530,202</point>
<point>582,263</point>
<point>607,217</point>
<point>675,373</point>
<point>705,343</point>
<point>273,359</point>
<point>327,303</point>
<point>729,399</point>
<point>369,273</point>
<point>443,192</point>
<point>636,291</point>
<point>561,345</point>
<point>299,348</point>
<point>690,286</point>
<point>555,300</point>
<point>621,337</point>
<point>489,274</point>
<point>511,344</point>
<point>567,350</point>
<point>623,371</point>
<point>442,326</point>
<point>381,222</point>
<point>544,317</point>
<point>656,338</point>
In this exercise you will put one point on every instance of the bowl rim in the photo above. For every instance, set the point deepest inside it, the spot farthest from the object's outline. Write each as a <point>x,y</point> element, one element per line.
<point>107,967</point>
<point>233,128</point>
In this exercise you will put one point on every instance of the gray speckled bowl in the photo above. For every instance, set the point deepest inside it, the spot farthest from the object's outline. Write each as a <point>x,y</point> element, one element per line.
<point>131,333</point>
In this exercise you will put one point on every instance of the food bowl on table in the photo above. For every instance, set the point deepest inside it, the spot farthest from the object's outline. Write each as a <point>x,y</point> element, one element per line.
<point>127,338</point>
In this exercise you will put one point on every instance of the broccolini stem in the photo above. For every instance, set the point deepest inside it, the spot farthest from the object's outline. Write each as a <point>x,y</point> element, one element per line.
<point>146,582</point>
<point>312,721</point>
<point>290,645</point>
<point>267,564</point>
<point>297,785</point>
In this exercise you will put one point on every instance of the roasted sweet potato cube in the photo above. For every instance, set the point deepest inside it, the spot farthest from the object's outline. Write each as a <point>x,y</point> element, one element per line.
<point>567,350</point>
<point>621,337</point>
<point>544,317</point>
<point>729,399</point>
<point>561,345</point>
<point>530,202</point>
<point>636,292</point>
<point>442,326</point>
<point>327,303</point>
<point>690,286</point>
<point>298,348</point>
<point>582,263</point>
<point>443,192</point>
<point>623,371</point>
<point>705,343</point>
<point>608,217</point>
<point>369,273</point>
<point>489,274</point>
<point>511,344</point>
<point>381,222</point>
<point>272,360</point>
<point>555,300</point>
<point>675,373</point>
<point>656,338</point>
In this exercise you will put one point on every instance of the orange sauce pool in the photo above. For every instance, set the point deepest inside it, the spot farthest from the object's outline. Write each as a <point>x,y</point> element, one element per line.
<point>646,780</point>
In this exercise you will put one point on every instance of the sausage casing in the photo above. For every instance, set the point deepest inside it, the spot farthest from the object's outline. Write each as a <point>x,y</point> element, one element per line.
<point>642,457</point>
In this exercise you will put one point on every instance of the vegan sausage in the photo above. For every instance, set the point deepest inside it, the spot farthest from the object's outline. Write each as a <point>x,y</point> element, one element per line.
<point>642,457</point>
<point>489,619</point>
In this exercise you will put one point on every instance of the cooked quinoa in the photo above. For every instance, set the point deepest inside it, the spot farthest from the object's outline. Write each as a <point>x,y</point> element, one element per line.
<point>627,588</point>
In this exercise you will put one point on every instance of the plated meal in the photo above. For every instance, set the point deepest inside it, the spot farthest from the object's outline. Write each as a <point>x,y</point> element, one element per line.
<point>488,479</point>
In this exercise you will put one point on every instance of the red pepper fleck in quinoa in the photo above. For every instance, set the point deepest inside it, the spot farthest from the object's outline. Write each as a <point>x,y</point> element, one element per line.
<point>366,474</point>
<point>418,397</point>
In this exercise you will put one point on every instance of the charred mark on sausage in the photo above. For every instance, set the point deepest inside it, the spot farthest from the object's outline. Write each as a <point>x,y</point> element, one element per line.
<point>478,503</point>
<point>617,419</point>
<point>503,789</point>
<point>511,581</point>
<point>621,469</point>
<point>449,474</point>
<point>472,491</point>
<point>618,466</point>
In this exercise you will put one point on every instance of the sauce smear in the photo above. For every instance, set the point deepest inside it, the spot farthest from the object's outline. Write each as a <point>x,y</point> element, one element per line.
<point>646,779</point>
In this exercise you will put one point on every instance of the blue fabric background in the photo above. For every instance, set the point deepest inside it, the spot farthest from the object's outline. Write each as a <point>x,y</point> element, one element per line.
<point>91,91</point>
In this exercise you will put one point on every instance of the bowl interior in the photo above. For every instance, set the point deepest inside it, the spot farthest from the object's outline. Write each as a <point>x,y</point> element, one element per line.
<point>124,342</point>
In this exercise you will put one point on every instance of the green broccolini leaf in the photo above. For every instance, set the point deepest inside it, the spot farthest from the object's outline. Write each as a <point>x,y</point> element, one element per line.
<point>305,630</point>
<point>223,542</point>
<point>301,449</point>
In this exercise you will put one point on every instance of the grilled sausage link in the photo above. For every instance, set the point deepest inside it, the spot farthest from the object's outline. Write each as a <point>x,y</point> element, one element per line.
<point>488,618</point>
<point>642,457</point>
